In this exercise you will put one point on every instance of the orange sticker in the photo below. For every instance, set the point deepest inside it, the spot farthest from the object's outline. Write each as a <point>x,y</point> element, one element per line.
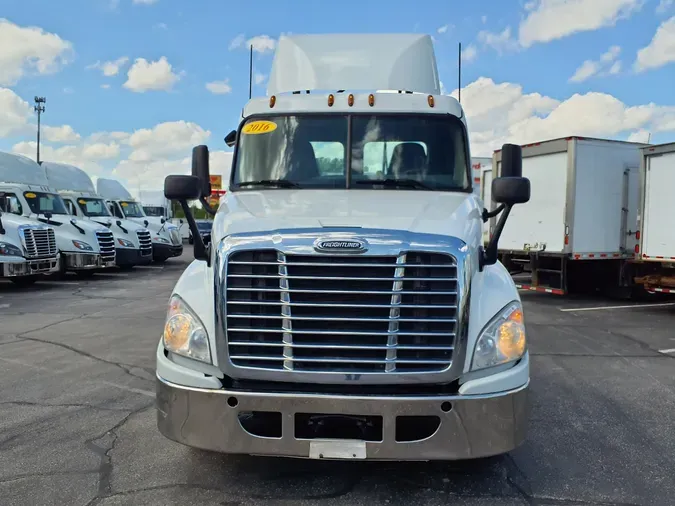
<point>29,195</point>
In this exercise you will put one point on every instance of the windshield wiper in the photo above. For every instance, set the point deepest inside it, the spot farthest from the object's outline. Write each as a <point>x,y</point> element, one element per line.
<point>281,183</point>
<point>409,183</point>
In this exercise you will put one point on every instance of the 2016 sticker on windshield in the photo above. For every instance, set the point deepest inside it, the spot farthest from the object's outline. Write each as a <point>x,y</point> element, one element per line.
<point>124,204</point>
<point>259,127</point>
<point>82,201</point>
<point>30,195</point>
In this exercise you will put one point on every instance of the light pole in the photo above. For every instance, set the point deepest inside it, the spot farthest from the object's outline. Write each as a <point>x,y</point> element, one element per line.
<point>39,109</point>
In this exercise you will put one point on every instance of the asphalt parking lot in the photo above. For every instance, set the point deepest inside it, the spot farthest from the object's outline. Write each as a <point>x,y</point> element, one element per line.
<point>77,420</point>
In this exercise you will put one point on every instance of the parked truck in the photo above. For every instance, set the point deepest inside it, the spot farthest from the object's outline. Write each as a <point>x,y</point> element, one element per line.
<point>341,310</point>
<point>655,251</point>
<point>166,238</point>
<point>27,248</point>
<point>133,245</point>
<point>578,232</point>
<point>84,246</point>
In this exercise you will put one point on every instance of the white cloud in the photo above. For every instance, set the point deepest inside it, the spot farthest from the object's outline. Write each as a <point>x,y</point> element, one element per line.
<point>62,134</point>
<point>107,137</point>
<point>30,49</point>
<point>154,75</point>
<point>110,68</point>
<point>503,112</point>
<point>237,42</point>
<point>606,65</point>
<point>15,113</point>
<point>105,86</point>
<point>145,2</point>
<point>165,139</point>
<point>500,42</point>
<point>161,26</point>
<point>443,29</point>
<point>483,19</point>
<point>660,51</point>
<point>85,156</point>
<point>219,87</point>
<point>259,78</point>
<point>470,53</point>
<point>664,5</point>
<point>549,20</point>
<point>641,135</point>
<point>262,43</point>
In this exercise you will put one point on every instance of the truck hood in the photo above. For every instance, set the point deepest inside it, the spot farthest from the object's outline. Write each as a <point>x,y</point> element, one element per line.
<point>110,222</point>
<point>451,214</point>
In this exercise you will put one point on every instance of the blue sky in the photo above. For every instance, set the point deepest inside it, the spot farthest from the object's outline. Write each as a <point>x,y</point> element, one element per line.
<point>518,68</point>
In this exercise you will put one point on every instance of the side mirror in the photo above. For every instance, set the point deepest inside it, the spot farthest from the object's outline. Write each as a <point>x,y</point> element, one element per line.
<point>200,169</point>
<point>231,138</point>
<point>182,188</point>
<point>511,190</point>
<point>512,161</point>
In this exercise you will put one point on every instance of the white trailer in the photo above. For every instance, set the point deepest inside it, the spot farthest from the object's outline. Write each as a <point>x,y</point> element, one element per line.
<point>578,230</point>
<point>478,166</point>
<point>656,232</point>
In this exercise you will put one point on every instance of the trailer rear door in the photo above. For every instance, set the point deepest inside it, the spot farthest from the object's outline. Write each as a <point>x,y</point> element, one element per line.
<point>658,231</point>
<point>540,223</point>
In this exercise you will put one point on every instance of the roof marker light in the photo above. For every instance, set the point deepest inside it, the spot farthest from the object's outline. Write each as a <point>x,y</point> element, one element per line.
<point>331,100</point>
<point>371,100</point>
<point>350,100</point>
<point>273,100</point>
<point>430,99</point>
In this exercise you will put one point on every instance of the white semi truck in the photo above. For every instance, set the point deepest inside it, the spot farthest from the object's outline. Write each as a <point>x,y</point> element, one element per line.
<point>84,246</point>
<point>166,238</point>
<point>133,245</point>
<point>347,310</point>
<point>27,248</point>
<point>655,251</point>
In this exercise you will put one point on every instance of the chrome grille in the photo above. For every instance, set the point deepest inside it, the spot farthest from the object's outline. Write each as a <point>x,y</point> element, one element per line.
<point>39,242</point>
<point>145,241</point>
<point>175,236</point>
<point>106,243</point>
<point>327,313</point>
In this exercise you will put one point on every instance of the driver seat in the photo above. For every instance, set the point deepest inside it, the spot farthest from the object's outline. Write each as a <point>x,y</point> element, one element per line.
<point>407,157</point>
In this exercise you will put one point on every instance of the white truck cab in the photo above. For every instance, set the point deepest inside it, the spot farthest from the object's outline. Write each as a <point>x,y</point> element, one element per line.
<point>345,307</point>
<point>166,238</point>
<point>85,246</point>
<point>133,245</point>
<point>27,248</point>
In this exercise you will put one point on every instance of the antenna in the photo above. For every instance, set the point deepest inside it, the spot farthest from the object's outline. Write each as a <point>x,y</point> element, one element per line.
<point>649,137</point>
<point>250,73</point>
<point>459,75</point>
<point>39,109</point>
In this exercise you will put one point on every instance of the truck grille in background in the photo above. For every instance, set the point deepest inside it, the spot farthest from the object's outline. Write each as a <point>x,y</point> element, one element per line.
<point>39,242</point>
<point>175,236</point>
<point>106,243</point>
<point>325,313</point>
<point>145,241</point>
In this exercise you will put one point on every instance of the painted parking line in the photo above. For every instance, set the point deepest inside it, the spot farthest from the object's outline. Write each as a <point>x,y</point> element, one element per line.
<point>630,306</point>
<point>668,351</point>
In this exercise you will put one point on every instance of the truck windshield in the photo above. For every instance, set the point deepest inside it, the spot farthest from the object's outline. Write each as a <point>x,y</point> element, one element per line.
<point>41,202</point>
<point>425,152</point>
<point>153,211</point>
<point>93,207</point>
<point>204,225</point>
<point>132,209</point>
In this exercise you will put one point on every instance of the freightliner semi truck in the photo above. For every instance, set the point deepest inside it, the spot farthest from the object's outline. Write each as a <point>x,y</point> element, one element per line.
<point>345,307</point>
<point>133,245</point>
<point>85,247</point>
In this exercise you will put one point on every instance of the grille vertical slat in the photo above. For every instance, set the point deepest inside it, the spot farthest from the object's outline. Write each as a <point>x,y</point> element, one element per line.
<point>39,242</point>
<point>324,313</point>
<point>106,244</point>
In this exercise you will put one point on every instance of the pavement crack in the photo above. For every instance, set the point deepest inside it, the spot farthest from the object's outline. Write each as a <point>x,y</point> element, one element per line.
<point>17,477</point>
<point>60,405</point>
<point>125,367</point>
<point>105,469</point>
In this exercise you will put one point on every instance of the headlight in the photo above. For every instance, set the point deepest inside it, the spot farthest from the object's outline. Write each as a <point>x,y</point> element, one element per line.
<point>184,334</point>
<point>10,250</point>
<point>124,243</point>
<point>82,245</point>
<point>502,340</point>
<point>160,239</point>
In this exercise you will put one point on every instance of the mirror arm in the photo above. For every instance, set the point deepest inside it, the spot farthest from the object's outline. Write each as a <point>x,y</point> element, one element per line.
<point>201,252</point>
<point>489,255</point>
<point>207,207</point>
<point>491,214</point>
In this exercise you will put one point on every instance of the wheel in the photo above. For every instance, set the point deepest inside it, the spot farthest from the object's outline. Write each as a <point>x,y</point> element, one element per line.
<point>24,280</point>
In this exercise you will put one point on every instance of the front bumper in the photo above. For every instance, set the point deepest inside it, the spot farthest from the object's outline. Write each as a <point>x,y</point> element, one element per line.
<point>85,261</point>
<point>474,426</point>
<point>17,267</point>
<point>130,256</point>
<point>160,250</point>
